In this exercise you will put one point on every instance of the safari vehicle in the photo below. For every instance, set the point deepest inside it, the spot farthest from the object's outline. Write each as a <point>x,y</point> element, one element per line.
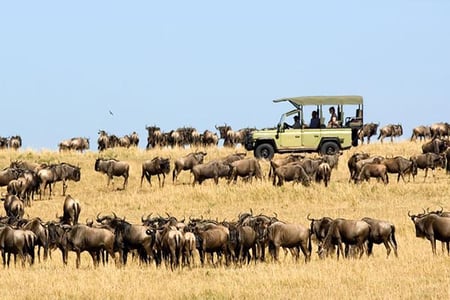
<point>283,139</point>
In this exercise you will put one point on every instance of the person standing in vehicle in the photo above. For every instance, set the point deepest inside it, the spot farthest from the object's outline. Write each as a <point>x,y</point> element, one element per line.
<point>333,123</point>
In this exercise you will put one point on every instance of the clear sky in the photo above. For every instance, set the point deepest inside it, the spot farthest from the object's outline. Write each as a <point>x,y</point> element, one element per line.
<point>65,64</point>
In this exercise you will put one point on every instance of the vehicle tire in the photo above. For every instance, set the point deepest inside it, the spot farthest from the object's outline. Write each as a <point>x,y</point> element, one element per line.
<point>329,148</point>
<point>265,151</point>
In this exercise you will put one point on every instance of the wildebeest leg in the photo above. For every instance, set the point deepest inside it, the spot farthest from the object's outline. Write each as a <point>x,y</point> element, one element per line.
<point>125,182</point>
<point>433,244</point>
<point>78,261</point>
<point>95,257</point>
<point>64,184</point>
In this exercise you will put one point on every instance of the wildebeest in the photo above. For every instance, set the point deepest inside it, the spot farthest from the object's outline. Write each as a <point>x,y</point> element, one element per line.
<point>209,138</point>
<point>284,235</point>
<point>323,173</point>
<point>171,241</point>
<point>40,230</point>
<point>129,236</point>
<point>187,163</point>
<point>157,166</point>
<point>71,211</point>
<point>214,169</point>
<point>432,227</point>
<point>79,144</point>
<point>332,159</point>
<point>291,172</point>
<point>367,130</point>
<point>14,206</point>
<point>401,166</point>
<point>352,163</point>
<point>247,168</point>
<point>134,139</point>
<point>391,130</point>
<point>436,145</point>
<point>211,239</point>
<point>278,162</point>
<point>84,238</point>
<point>8,174</point>
<point>440,130</point>
<point>15,142</point>
<point>225,135</point>
<point>381,232</point>
<point>349,232</point>
<point>421,132</point>
<point>18,242</point>
<point>362,162</point>
<point>429,161</point>
<point>154,137</point>
<point>373,170</point>
<point>58,172</point>
<point>319,228</point>
<point>103,140</point>
<point>113,167</point>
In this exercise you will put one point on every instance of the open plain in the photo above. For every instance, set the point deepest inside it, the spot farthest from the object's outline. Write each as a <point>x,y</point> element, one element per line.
<point>415,274</point>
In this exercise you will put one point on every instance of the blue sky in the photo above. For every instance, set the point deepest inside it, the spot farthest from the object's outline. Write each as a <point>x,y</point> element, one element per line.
<point>65,64</point>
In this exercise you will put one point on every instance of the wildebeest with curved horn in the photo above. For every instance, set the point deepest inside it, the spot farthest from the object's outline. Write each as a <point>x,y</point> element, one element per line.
<point>157,166</point>
<point>368,130</point>
<point>432,227</point>
<point>187,163</point>
<point>113,167</point>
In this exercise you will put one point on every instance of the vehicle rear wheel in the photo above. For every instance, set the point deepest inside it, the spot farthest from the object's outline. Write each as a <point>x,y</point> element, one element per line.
<point>329,148</point>
<point>265,151</point>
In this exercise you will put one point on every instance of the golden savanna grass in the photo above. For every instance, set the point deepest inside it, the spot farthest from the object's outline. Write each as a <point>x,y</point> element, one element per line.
<point>416,273</point>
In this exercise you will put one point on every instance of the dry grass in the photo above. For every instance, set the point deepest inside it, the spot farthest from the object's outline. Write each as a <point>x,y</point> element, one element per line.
<point>415,274</point>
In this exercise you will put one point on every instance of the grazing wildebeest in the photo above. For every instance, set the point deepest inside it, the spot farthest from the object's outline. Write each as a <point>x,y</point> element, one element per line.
<point>429,161</point>
<point>247,168</point>
<point>18,242</point>
<point>381,232</point>
<point>361,163</point>
<point>436,145</point>
<point>233,157</point>
<point>14,206</point>
<point>391,130</point>
<point>400,166</point>
<point>58,172</point>
<point>373,170</point>
<point>284,235</point>
<point>421,132</point>
<point>440,130</point>
<point>157,166</point>
<point>84,238</point>
<point>432,227</point>
<point>113,167</point>
<point>323,173</point>
<point>278,162</point>
<point>187,163</point>
<point>367,130</point>
<point>349,232</point>
<point>352,163</point>
<point>214,169</point>
<point>291,172</point>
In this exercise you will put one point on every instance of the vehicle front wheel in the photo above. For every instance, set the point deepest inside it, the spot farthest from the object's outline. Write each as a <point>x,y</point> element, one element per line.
<point>329,148</point>
<point>265,151</point>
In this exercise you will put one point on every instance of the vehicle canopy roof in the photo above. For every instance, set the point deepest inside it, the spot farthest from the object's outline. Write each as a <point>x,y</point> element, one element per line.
<point>322,100</point>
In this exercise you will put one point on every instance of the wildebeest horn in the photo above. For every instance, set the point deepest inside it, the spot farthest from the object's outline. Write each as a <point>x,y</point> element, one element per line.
<point>409,214</point>
<point>442,209</point>
<point>307,217</point>
<point>114,214</point>
<point>142,219</point>
<point>168,214</point>
<point>275,214</point>
<point>251,211</point>
<point>98,217</point>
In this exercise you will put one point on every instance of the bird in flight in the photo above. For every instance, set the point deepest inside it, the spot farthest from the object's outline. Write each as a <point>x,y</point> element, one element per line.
<point>111,113</point>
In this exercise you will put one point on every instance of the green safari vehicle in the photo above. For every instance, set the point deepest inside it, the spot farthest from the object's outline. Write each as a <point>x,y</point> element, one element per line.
<point>323,138</point>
